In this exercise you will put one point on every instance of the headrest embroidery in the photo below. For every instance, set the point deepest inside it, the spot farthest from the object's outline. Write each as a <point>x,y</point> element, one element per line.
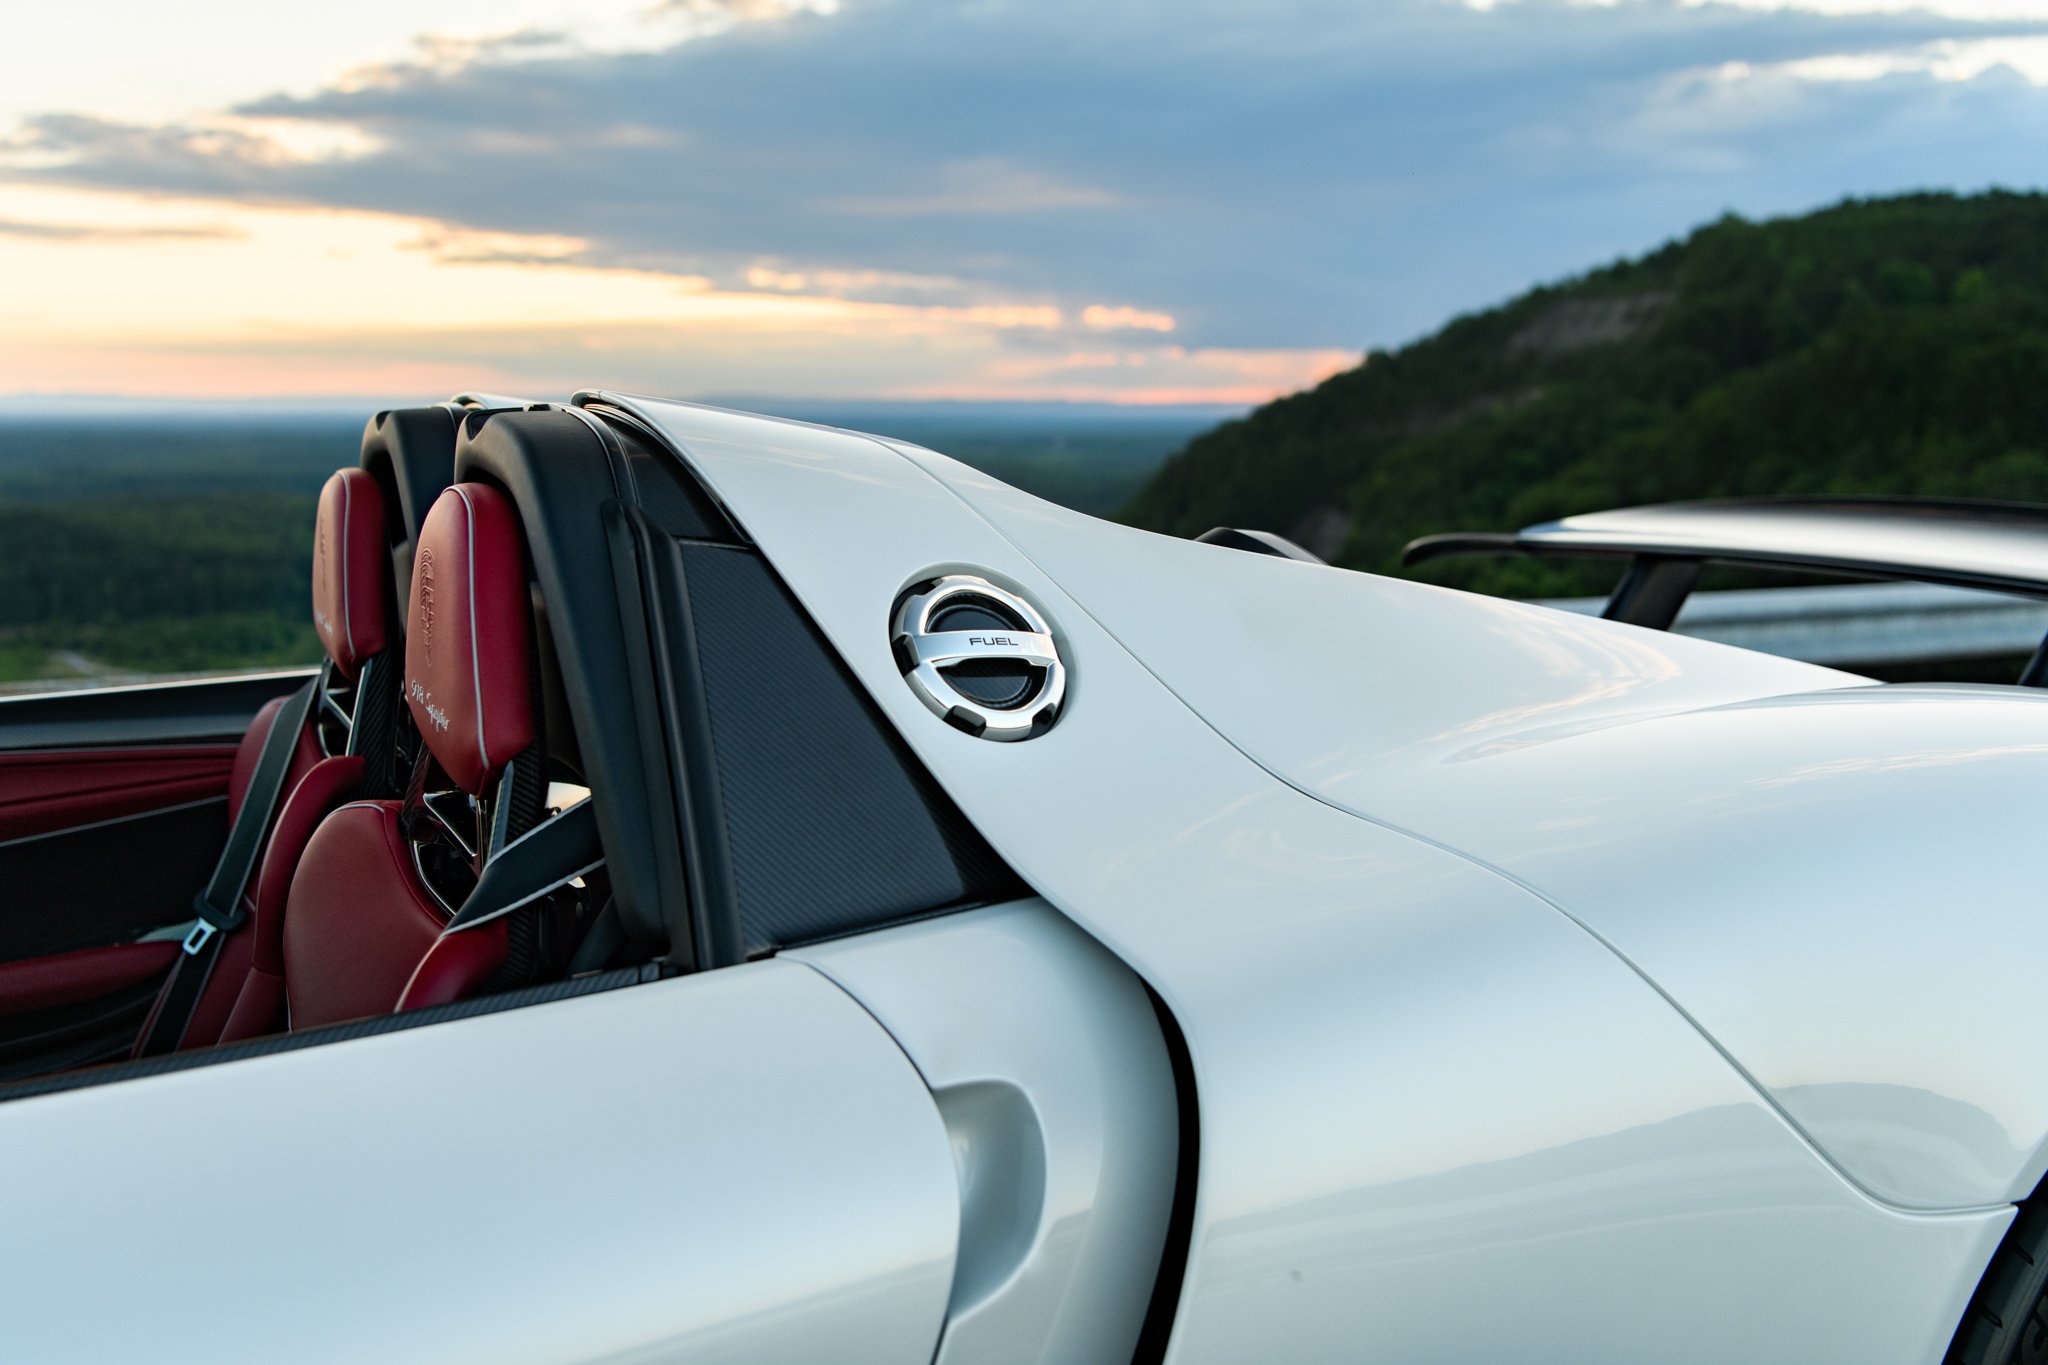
<point>426,700</point>
<point>424,576</point>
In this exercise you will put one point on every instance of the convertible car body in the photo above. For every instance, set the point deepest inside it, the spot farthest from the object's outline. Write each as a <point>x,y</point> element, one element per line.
<point>1007,936</point>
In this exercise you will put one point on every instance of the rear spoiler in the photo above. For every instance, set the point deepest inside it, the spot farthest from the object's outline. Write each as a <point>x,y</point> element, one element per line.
<point>1995,546</point>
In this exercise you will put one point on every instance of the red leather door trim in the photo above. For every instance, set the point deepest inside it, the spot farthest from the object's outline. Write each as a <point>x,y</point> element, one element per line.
<point>41,983</point>
<point>50,790</point>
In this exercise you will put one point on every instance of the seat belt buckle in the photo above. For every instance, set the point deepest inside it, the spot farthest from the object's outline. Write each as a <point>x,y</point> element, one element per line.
<point>211,922</point>
<point>196,940</point>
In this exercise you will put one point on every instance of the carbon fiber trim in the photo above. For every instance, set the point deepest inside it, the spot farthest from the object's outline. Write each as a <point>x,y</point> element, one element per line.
<point>830,824</point>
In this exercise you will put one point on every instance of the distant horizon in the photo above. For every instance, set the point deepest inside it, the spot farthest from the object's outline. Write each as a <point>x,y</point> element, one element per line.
<point>149,406</point>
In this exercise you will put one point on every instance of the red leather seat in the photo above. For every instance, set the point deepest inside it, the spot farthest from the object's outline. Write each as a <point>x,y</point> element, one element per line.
<point>363,929</point>
<point>351,570</point>
<point>351,587</point>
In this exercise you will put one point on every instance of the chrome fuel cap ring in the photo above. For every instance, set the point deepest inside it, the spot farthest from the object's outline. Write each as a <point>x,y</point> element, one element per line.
<point>981,657</point>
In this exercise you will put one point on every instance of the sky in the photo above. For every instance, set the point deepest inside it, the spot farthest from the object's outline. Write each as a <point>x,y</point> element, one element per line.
<point>1095,200</point>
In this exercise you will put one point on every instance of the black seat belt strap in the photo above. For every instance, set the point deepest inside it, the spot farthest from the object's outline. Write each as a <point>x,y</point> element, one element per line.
<point>219,906</point>
<point>551,854</point>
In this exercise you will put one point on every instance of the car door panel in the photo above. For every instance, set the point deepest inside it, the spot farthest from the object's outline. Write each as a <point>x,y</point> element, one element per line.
<point>107,882</point>
<point>735,1166</point>
<point>1057,1091</point>
<point>201,711</point>
<point>113,806</point>
<point>68,978</point>
<point>90,919</point>
<point>74,1030</point>
<point>46,790</point>
<point>113,810</point>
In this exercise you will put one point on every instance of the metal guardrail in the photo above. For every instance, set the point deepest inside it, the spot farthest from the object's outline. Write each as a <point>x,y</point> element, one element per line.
<point>1862,623</point>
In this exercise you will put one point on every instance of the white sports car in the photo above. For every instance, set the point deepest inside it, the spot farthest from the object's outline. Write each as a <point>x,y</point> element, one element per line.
<point>741,891</point>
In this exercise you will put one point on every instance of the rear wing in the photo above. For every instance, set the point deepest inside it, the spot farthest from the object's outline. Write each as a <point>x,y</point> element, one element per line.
<point>1995,546</point>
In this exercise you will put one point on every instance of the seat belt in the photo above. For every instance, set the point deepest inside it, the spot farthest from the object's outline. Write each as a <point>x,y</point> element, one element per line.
<point>550,855</point>
<point>219,906</point>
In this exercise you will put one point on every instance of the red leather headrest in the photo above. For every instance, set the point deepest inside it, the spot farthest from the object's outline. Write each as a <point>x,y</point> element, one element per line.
<point>351,569</point>
<point>467,676</point>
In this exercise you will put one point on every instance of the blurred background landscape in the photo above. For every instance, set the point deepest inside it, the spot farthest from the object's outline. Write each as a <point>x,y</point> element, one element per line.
<point>1348,272</point>
<point>156,538</point>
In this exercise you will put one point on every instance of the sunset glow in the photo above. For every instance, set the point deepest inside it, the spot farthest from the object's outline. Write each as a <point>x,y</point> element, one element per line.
<point>883,199</point>
<point>223,300</point>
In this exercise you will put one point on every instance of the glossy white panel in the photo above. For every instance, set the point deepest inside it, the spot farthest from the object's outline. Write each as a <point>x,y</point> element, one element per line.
<point>1439,1120</point>
<point>1843,888</point>
<point>1457,1130</point>
<point>1046,1058</point>
<point>1372,675</point>
<point>1840,887</point>
<point>739,1167</point>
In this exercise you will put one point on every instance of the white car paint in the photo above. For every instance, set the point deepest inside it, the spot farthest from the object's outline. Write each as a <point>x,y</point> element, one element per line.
<point>1553,991</point>
<point>734,1167</point>
<point>1830,877</point>
<point>1045,1057</point>
<point>1439,1114</point>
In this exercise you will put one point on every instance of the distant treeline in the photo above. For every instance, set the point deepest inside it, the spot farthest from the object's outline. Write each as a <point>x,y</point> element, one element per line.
<point>169,545</point>
<point>1894,346</point>
<point>184,544</point>
<point>78,458</point>
<point>161,584</point>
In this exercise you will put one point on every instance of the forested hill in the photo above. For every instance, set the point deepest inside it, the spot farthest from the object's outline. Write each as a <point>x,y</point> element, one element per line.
<point>1895,346</point>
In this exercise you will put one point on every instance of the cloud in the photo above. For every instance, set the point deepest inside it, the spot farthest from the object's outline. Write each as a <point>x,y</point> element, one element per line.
<point>1991,10</point>
<point>1098,317</point>
<point>1303,175</point>
<point>228,156</point>
<point>979,185</point>
<point>127,294</point>
<point>461,246</point>
<point>582,30</point>
<point>872,360</point>
<point>100,232</point>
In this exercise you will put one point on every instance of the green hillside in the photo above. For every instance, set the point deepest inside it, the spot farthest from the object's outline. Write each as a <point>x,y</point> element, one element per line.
<point>1895,346</point>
